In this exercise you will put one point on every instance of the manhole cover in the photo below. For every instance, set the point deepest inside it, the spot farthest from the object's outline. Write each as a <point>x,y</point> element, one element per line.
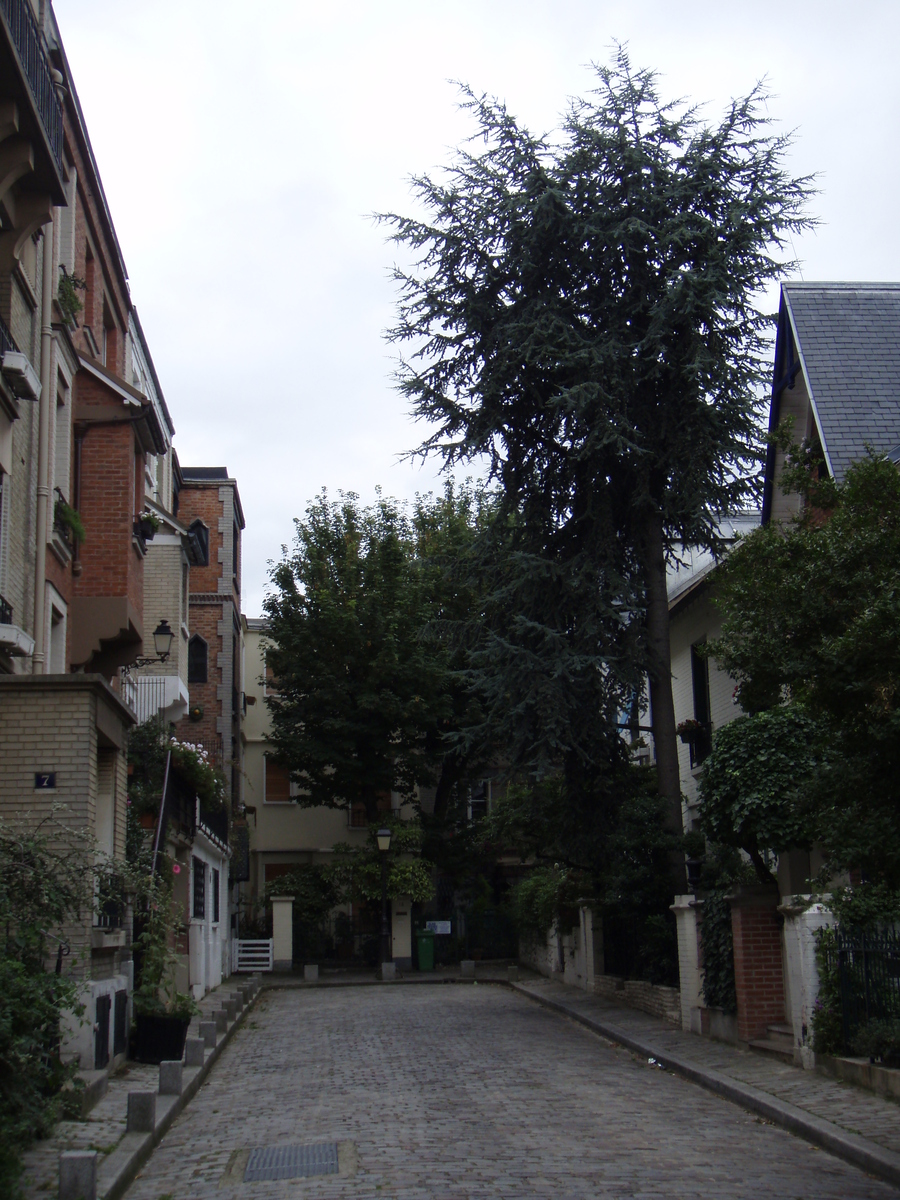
<point>292,1162</point>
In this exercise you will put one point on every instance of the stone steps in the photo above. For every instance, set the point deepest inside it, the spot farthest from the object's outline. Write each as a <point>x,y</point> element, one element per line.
<point>778,1043</point>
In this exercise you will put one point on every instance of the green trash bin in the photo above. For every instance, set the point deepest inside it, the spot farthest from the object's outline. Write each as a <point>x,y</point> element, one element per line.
<point>425,943</point>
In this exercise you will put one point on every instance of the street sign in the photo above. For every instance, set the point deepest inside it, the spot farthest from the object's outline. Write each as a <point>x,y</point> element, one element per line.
<point>438,926</point>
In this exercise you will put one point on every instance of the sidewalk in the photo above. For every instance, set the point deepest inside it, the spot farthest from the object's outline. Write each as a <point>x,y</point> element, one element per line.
<point>104,1128</point>
<point>854,1124</point>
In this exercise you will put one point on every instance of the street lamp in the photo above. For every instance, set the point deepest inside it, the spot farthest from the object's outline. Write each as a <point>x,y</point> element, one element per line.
<point>162,644</point>
<point>383,837</point>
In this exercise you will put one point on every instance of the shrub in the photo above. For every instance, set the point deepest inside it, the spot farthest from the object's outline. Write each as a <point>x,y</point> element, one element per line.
<point>41,888</point>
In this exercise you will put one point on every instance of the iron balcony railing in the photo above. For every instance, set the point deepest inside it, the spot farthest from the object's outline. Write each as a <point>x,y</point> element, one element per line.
<point>6,612</point>
<point>26,38</point>
<point>7,342</point>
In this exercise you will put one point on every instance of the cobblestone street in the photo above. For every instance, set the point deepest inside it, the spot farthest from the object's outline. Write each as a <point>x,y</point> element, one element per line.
<point>446,1092</point>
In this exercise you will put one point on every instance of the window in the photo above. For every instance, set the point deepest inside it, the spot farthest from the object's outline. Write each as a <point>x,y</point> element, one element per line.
<point>358,818</point>
<point>56,662</point>
<point>198,654</point>
<point>215,896</point>
<point>277,783</point>
<point>198,908</point>
<point>61,433</point>
<point>185,591</point>
<point>702,744</point>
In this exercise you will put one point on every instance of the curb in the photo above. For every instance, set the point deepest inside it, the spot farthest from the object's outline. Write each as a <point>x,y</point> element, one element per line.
<point>119,1169</point>
<point>875,1159</point>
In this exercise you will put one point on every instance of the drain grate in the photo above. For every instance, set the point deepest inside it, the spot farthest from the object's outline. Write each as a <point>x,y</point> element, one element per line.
<point>292,1162</point>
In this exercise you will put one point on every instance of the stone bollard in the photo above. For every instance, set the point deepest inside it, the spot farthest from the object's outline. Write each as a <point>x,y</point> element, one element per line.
<point>311,973</point>
<point>221,1020</point>
<point>388,971</point>
<point>141,1112</point>
<point>208,1033</point>
<point>512,974</point>
<point>78,1175</point>
<point>230,1007</point>
<point>467,968</point>
<point>195,1048</point>
<point>171,1078</point>
<point>247,992</point>
<point>239,1000</point>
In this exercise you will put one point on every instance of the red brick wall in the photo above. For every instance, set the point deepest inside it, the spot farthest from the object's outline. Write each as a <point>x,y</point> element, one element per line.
<point>204,502</point>
<point>758,970</point>
<point>204,620</point>
<point>110,564</point>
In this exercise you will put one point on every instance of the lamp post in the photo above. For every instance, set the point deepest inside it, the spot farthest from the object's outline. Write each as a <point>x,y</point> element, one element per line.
<point>163,637</point>
<point>383,837</point>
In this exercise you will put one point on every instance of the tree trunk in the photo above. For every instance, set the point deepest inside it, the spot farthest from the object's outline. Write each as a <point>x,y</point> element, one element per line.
<point>662,706</point>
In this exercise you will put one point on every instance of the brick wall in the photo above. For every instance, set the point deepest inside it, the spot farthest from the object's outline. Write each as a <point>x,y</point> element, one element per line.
<point>50,724</point>
<point>652,998</point>
<point>111,566</point>
<point>758,969</point>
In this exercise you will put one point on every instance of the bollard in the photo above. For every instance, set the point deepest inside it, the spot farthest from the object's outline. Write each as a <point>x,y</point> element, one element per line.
<point>311,973</point>
<point>238,998</point>
<point>195,1048</point>
<point>78,1175</point>
<point>230,1007</point>
<point>171,1078</point>
<point>208,1033</point>
<point>221,1020</point>
<point>388,971</point>
<point>512,974</point>
<point>141,1112</point>
<point>467,968</point>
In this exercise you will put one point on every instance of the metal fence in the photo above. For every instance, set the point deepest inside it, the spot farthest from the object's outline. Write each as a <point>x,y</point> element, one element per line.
<point>25,35</point>
<point>251,955</point>
<point>868,966</point>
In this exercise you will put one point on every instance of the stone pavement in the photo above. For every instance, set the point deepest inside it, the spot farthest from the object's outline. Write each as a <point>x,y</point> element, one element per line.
<point>104,1128</point>
<point>455,1091</point>
<point>853,1111</point>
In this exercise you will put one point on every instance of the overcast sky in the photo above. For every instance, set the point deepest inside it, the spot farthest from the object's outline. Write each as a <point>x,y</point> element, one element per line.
<point>244,146</point>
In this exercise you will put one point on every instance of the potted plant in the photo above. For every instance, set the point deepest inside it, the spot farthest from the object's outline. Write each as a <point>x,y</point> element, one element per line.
<point>161,1013</point>
<point>67,522</point>
<point>690,731</point>
<point>146,526</point>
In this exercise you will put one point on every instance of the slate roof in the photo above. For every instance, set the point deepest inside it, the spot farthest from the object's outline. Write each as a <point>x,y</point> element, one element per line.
<point>848,336</point>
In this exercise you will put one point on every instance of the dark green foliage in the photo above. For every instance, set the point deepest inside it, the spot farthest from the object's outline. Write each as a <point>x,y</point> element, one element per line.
<point>548,895</point>
<point>313,891</point>
<point>609,844</point>
<point>147,749</point>
<point>159,919</point>
<point>718,951</point>
<point>826,1020</point>
<point>752,784</point>
<point>583,315</point>
<point>367,699</point>
<point>812,613</point>
<point>43,885</point>
<point>879,1039</point>
<point>355,871</point>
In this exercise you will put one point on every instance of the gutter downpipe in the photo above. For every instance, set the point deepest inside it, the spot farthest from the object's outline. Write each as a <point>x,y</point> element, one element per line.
<point>38,661</point>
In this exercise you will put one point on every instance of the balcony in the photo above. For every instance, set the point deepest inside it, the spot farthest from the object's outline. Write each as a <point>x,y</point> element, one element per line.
<point>22,31</point>
<point>7,344</point>
<point>13,640</point>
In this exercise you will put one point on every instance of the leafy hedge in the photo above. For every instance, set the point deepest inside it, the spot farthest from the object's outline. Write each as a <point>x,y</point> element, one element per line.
<point>41,888</point>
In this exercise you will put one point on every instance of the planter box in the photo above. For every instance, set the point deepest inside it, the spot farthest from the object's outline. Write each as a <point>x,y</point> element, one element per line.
<point>159,1039</point>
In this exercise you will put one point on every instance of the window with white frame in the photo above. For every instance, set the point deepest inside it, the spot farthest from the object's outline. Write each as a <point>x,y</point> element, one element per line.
<point>62,430</point>
<point>56,624</point>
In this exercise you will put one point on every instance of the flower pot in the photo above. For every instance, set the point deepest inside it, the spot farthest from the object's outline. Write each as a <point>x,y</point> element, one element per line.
<point>147,530</point>
<point>159,1038</point>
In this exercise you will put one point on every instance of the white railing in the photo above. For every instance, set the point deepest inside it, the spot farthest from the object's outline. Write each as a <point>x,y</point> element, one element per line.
<point>251,956</point>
